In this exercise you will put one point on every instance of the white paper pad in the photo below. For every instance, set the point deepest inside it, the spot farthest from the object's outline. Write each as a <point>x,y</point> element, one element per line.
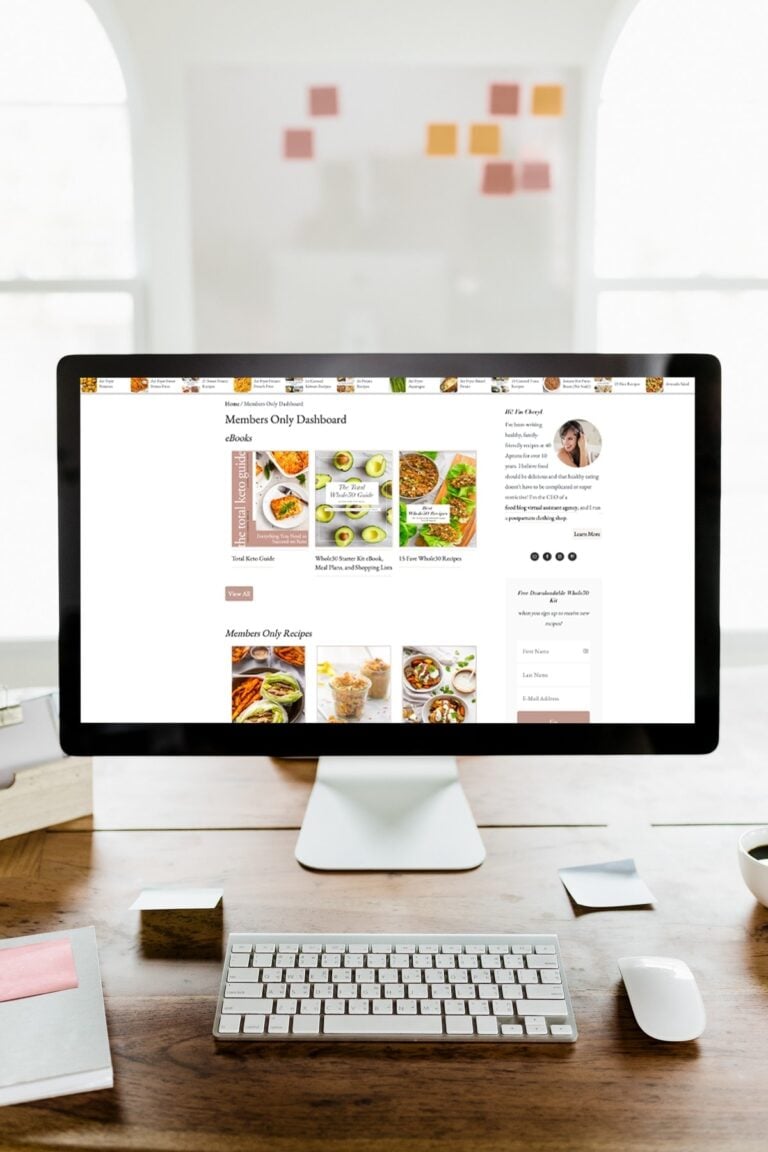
<point>155,899</point>
<point>615,884</point>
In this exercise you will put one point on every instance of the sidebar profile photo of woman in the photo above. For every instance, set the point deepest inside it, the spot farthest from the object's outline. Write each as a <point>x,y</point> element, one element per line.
<point>574,449</point>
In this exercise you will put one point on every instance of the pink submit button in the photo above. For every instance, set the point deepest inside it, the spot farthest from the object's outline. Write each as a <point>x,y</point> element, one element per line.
<point>238,592</point>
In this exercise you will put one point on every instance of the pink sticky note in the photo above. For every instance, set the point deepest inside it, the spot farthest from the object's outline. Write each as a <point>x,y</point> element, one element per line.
<point>498,179</point>
<point>536,176</point>
<point>324,101</point>
<point>504,99</point>
<point>297,144</point>
<point>32,969</point>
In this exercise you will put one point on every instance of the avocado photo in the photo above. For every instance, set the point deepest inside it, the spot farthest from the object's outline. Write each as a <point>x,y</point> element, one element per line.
<point>344,536</point>
<point>343,461</point>
<point>376,466</point>
<point>373,534</point>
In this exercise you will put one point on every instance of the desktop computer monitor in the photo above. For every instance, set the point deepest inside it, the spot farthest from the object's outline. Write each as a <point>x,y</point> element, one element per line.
<point>388,562</point>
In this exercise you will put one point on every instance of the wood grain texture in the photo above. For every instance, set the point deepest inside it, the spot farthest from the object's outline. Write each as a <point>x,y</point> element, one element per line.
<point>176,1088</point>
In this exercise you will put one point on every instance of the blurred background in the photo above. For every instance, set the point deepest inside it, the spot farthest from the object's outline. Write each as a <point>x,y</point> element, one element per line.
<point>420,175</point>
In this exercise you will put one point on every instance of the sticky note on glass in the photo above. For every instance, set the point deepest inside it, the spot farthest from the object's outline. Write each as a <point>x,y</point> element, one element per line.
<point>442,139</point>
<point>485,139</point>
<point>615,884</point>
<point>33,969</point>
<point>547,100</point>
<point>298,144</point>
<point>535,176</point>
<point>499,179</point>
<point>160,899</point>
<point>324,101</point>
<point>504,99</point>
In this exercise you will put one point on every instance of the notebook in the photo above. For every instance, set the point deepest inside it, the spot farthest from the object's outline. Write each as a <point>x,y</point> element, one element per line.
<point>52,1043</point>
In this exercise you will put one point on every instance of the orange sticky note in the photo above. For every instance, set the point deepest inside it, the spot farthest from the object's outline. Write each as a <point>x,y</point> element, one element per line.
<point>441,139</point>
<point>34,969</point>
<point>547,100</point>
<point>485,140</point>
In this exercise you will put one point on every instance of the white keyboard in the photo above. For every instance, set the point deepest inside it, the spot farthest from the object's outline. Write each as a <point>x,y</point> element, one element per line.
<point>392,987</point>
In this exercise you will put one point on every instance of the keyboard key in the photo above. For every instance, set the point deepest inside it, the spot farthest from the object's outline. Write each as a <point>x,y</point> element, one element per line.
<point>561,1029</point>
<point>250,975</point>
<point>241,948</point>
<point>239,960</point>
<point>383,1026</point>
<point>511,1029</point>
<point>535,1029</point>
<point>527,977</point>
<point>455,1008</point>
<point>406,1007</point>
<point>545,950</point>
<point>545,991</point>
<point>459,1025</point>
<point>382,1007</point>
<point>310,1008</point>
<point>550,977</point>
<point>487,1026</point>
<point>305,1025</point>
<point>230,1024</point>
<point>236,1007</point>
<point>359,1007</point>
<point>240,991</point>
<point>255,1024</point>
<point>541,1008</point>
<point>430,1008</point>
<point>279,1025</point>
<point>334,1007</point>
<point>286,1007</point>
<point>541,961</point>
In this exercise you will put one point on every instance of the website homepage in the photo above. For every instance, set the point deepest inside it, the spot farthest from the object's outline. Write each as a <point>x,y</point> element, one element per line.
<point>388,550</point>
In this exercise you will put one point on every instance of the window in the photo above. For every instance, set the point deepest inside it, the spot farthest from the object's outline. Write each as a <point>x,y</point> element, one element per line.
<point>67,274</point>
<point>681,252</point>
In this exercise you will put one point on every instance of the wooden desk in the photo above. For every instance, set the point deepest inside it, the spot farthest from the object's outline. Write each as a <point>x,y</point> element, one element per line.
<point>615,1089</point>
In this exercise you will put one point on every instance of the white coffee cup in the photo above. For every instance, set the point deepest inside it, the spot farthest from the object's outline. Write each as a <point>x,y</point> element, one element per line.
<point>755,872</point>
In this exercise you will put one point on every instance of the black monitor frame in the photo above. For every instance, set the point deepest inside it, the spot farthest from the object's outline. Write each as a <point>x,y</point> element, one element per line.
<point>311,740</point>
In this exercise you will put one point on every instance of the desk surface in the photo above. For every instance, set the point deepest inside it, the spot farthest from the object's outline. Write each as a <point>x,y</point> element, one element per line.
<point>615,1088</point>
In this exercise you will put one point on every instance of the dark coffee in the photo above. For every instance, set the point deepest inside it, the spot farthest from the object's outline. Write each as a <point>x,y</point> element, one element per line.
<point>760,852</point>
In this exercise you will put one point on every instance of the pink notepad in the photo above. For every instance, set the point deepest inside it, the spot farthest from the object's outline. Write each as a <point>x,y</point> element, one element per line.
<point>32,969</point>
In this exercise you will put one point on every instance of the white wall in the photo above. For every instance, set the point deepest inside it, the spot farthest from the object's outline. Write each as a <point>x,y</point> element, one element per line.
<point>163,42</point>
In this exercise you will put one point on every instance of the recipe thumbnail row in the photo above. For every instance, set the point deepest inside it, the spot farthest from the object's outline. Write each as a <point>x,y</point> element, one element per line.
<point>350,496</point>
<point>431,685</point>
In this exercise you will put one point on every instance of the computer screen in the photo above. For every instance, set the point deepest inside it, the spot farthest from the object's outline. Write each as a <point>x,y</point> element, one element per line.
<point>405,555</point>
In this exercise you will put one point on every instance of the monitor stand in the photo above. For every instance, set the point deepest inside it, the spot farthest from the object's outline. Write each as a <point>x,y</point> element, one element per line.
<point>388,814</point>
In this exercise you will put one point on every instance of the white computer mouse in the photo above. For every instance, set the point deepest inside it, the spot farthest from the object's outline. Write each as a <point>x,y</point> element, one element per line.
<point>664,996</point>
